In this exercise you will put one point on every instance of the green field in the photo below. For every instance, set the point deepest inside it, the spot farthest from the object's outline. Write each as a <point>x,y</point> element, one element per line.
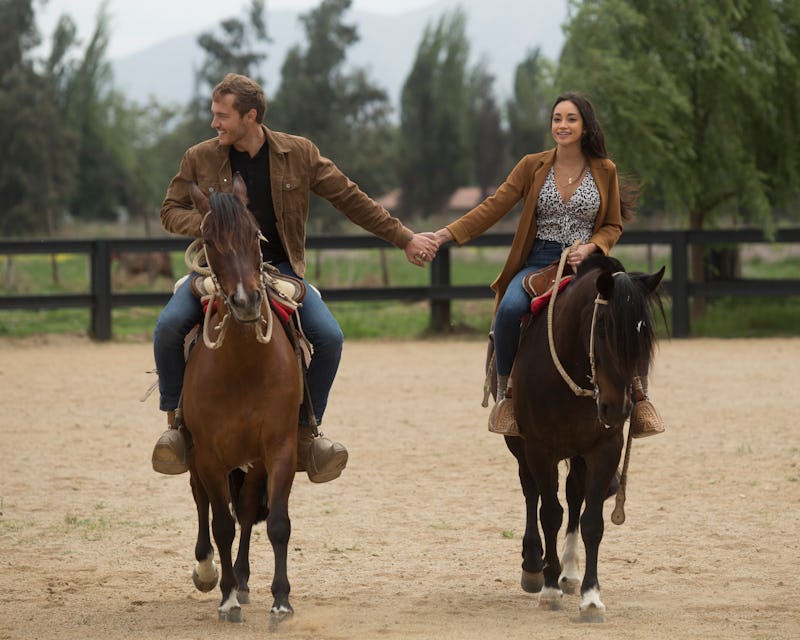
<point>68,273</point>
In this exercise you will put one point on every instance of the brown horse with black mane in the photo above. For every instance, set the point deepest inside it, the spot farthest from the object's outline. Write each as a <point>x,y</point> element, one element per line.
<point>241,398</point>
<point>601,332</point>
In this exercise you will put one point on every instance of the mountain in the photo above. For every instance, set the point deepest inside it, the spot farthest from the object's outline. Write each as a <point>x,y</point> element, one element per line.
<point>501,32</point>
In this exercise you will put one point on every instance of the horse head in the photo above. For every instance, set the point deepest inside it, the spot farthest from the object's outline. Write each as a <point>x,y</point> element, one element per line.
<point>622,339</point>
<point>231,239</point>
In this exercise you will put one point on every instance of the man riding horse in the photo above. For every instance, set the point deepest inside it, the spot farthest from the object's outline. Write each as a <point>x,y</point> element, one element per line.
<point>280,171</point>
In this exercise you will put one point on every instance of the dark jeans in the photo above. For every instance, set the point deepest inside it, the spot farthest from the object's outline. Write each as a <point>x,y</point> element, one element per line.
<point>183,311</point>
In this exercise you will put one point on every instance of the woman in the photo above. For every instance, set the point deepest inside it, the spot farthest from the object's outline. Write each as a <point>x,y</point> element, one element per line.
<point>570,193</point>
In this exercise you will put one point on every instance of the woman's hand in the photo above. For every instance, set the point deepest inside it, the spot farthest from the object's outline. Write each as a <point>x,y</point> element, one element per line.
<point>421,249</point>
<point>579,254</point>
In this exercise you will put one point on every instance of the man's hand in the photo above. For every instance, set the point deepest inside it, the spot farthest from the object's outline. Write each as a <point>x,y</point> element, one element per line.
<point>421,249</point>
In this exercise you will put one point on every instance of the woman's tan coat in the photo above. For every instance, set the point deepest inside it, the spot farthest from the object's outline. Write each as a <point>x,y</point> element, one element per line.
<point>524,183</point>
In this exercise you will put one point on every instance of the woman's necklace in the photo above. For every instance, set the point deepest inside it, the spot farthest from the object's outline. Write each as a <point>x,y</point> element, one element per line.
<point>571,181</point>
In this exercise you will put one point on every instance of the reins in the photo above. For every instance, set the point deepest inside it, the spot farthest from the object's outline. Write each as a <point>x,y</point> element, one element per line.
<point>196,259</point>
<point>576,388</point>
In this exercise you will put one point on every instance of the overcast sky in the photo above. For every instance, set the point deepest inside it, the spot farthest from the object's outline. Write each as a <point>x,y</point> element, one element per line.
<point>136,24</point>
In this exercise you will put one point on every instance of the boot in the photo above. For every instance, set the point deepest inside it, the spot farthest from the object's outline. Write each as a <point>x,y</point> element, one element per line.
<point>645,419</point>
<point>320,457</point>
<point>169,454</point>
<point>501,418</point>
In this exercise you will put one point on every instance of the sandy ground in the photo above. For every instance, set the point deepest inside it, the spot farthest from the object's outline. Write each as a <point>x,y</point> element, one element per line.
<point>420,537</point>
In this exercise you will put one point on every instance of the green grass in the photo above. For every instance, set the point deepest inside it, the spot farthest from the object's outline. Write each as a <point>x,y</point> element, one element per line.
<point>725,317</point>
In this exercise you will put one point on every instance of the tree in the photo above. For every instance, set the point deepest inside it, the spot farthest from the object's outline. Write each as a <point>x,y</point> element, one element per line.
<point>488,138</point>
<point>700,99</point>
<point>435,150</point>
<point>342,111</point>
<point>529,108</point>
<point>37,165</point>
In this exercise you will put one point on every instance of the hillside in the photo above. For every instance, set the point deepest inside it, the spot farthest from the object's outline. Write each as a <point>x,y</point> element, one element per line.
<point>501,32</point>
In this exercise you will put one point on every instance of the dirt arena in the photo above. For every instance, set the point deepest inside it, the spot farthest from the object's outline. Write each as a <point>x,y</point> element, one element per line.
<point>421,536</point>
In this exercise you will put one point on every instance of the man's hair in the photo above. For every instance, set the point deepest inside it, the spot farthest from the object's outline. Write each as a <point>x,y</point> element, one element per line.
<point>247,94</point>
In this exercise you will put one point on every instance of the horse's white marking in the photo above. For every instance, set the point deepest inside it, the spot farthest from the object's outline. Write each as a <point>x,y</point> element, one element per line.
<point>206,569</point>
<point>282,610</point>
<point>569,558</point>
<point>240,294</point>
<point>548,594</point>
<point>592,599</point>
<point>231,602</point>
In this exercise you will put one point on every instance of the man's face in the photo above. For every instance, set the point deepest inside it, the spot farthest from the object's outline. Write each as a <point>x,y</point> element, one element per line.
<point>231,127</point>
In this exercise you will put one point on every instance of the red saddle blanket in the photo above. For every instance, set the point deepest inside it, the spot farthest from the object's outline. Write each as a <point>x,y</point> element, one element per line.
<point>540,302</point>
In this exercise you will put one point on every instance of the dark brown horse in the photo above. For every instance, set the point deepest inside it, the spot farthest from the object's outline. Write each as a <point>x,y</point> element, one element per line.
<point>242,393</point>
<point>601,336</point>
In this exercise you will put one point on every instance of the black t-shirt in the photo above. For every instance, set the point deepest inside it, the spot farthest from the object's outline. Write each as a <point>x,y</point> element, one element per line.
<point>255,172</point>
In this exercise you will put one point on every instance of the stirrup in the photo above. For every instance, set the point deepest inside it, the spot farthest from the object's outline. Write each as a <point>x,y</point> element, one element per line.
<point>326,459</point>
<point>645,420</point>
<point>502,419</point>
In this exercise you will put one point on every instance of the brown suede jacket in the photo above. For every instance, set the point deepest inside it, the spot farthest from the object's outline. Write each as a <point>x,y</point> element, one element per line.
<point>524,183</point>
<point>296,169</point>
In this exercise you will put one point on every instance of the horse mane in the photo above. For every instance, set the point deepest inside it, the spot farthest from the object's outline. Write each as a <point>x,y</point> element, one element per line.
<point>229,219</point>
<point>626,326</point>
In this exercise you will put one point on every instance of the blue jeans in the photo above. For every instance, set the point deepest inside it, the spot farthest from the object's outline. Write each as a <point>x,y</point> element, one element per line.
<point>516,303</point>
<point>183,311</point>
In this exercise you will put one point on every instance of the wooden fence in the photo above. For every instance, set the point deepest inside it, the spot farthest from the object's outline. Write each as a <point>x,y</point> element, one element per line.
<point>440,292</point>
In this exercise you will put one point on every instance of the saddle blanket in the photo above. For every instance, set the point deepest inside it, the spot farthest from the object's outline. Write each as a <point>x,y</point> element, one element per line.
<point>540,302</point>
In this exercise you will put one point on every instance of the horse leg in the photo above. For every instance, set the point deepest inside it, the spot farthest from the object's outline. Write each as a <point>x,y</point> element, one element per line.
<point>551,515</point>
<point>248,489</point>
<point>532,578</point>
<point>205,574</point>
<point>281,462</point>
<point>570,578</point>
<point>223,527</point>
<point>600,474</point>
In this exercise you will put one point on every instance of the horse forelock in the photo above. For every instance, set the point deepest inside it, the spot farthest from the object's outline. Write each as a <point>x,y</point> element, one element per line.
<point>230,223</point>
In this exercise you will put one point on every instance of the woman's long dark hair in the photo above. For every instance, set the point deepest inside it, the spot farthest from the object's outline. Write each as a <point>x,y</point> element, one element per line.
<point>593,145</point>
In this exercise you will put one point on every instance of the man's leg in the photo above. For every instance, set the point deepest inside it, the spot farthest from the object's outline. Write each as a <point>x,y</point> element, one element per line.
<point>321,458</point>
<point>176,320</point>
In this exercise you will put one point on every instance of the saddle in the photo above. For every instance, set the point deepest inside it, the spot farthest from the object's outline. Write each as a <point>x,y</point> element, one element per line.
<point>541,281</point>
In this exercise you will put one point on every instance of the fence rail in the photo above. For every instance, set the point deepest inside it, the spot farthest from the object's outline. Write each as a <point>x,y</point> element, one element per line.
<point>440,292</point>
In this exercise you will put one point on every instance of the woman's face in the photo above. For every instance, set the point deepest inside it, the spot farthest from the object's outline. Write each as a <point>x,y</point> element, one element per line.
<point>566,125</point>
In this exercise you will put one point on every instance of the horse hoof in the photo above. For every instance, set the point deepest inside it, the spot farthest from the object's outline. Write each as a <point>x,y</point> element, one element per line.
<point>569,585</point>
<point>234,614</point>
<point>592,614</point>
<point>551,600</point>
<point>205,585</point>
<point>532,582</point>
<point>243,596</point>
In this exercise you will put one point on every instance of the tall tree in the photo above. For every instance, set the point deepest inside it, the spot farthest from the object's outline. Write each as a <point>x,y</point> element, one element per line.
<point>37,165</point>
<point>340,109</point>
<point>435,149</point>
<point>488,138</point>
<point>694,97</point>
<point>528,110</point>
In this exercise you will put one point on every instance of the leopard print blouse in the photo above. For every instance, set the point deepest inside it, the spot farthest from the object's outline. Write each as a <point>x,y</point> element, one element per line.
<point>565,222</point>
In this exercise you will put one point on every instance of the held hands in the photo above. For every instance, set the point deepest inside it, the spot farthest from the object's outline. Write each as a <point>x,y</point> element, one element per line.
<point>421,249</point>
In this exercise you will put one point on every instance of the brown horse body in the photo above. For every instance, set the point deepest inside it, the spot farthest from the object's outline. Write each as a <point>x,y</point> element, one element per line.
<point>240,402</point>
<point>602,334</point>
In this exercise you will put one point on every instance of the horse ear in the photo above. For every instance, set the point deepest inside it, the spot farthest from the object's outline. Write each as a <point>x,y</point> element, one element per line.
<point>652,281</point>
<point>605,284</point>
<point>240,188</point>
<point>199,199</point>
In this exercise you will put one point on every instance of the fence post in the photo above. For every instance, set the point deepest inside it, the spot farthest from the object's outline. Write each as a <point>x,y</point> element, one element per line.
<point>100,328</point>
<point>680,285</point>
<point>440,281</point>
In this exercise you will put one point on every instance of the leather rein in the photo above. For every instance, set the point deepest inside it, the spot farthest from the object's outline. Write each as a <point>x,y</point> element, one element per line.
<point>576,388</point>
<point>196,259</point>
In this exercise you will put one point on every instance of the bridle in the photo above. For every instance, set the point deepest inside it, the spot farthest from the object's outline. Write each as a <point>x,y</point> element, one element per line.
<point>196,258</point>
<point>576,388</point>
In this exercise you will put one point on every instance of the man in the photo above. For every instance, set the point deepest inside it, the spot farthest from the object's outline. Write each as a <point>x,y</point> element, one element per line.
<point>280,171</point>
